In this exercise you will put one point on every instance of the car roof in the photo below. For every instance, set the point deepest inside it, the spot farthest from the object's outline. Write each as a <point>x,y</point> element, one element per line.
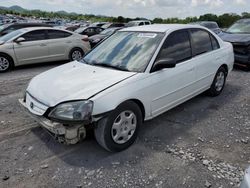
<point>26,29</point>
<point>140,21</point>
<point>160,28</point>
<point>30,23</point>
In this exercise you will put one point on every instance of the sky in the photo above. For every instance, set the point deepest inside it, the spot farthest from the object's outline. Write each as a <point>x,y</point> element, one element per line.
<point>137,8</point>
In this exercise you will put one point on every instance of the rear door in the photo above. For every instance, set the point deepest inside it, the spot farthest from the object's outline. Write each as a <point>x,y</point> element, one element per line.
<point>34,49</point>
<point>206,55</point>
<point>172,86</point>
<point>59,44</point>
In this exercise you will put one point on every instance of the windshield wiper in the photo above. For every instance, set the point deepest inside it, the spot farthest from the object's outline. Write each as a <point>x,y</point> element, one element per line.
<point>109,66</point>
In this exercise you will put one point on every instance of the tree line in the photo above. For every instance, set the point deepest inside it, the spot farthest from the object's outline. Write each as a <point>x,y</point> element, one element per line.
<point>223,21</point>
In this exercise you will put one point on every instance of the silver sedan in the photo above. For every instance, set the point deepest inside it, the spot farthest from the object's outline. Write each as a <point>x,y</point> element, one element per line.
<point>37,45</point>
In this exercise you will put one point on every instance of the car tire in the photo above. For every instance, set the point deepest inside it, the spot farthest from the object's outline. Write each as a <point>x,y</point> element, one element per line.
<point>120,129</point>
<point>6,63</point>
<point>76,54</point>
<point>218,82</point>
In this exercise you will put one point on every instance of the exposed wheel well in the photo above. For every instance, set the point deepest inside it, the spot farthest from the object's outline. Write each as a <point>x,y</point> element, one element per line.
<point>141,106</point>
<point>225,67</point>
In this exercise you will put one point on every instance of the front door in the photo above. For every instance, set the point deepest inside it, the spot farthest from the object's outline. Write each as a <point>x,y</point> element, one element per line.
<point>34,49</point>
<point>172,86</point>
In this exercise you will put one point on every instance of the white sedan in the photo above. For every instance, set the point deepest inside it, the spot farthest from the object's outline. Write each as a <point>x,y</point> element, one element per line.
<point>133,76</point>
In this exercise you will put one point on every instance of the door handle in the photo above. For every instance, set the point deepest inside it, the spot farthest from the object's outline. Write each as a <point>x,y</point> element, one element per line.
<point>43,44</point>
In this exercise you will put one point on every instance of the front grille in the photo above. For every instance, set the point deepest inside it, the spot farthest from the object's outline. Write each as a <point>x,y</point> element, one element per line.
<point>35,106</point>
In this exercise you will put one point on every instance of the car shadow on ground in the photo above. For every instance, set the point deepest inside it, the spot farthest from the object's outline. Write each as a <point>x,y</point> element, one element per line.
<point>167,127</point>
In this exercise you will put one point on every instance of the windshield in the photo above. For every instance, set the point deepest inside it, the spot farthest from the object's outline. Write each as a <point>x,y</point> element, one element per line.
<point>2,27</point>
<point>9,36</point>
<point>130,51</point>
<point>210,25</point>
<point>105,26</point>
<point>107,32</point>
<point>240,27</point>
<point>131,24</point>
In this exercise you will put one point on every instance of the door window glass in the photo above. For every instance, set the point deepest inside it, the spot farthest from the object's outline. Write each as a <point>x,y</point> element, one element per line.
<point>202,42</point>
<point>34,35</point>
<point>177,46</point>
<point>215,43</point>
<point>56,34</point>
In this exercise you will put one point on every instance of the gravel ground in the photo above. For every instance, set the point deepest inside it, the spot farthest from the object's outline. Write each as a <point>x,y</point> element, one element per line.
<point>202,143</point>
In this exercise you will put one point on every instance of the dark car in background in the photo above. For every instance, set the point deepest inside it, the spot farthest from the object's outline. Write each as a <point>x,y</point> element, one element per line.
<point>239,35</point>
<point>95,39</point>
<point>7,28</point>
<point>89,31</point>
<point>213,26</point>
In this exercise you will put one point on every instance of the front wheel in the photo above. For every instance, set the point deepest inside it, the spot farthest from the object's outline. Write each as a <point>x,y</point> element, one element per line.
<point>119,130</point>
<point>76,54</point>
<point>5,63</point>
<point>218,83</point>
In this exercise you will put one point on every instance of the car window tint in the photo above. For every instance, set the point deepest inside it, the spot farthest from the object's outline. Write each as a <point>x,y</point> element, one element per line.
<point>177,46</point>
<point>147,23</point>
<point>202,42</point>
<point>215,43</point>
<point>55,34</point>
<point>35,35</point>
<point>141,23</point>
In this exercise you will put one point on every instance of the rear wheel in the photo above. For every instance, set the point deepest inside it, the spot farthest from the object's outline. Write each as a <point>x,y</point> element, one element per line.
<point>218,83</point>
<point>5,63</point>
<point>76,54</point>
<point>120,129</point>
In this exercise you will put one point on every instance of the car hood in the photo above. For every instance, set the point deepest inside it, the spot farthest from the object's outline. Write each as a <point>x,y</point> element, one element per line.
<point>73,81</point>
<point>243,39</point>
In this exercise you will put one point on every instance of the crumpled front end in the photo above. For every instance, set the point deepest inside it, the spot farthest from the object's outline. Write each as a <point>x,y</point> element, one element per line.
<point>64,133</point>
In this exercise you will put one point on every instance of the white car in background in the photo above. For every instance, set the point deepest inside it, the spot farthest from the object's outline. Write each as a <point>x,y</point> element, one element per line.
<point>133,76</point>
<point>138,23</point>
<point>40,44</point>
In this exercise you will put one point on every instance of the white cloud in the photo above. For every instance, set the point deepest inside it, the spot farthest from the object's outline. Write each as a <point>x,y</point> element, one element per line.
<point>137,8</point>
<point>240,2</point>
<point>211,3</point>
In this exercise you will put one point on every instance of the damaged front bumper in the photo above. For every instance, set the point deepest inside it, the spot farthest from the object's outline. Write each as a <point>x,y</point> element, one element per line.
<point>67,134</point>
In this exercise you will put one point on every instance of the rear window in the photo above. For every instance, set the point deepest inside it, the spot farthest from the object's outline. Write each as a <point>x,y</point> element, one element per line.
<point>201,40</point>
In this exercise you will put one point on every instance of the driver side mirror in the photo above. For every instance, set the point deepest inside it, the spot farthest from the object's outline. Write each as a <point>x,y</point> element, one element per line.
<point>163,64</point>
<point>20,39</point>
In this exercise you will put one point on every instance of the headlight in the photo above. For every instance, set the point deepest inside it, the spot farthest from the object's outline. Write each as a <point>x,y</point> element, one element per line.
<point>73,111</point>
